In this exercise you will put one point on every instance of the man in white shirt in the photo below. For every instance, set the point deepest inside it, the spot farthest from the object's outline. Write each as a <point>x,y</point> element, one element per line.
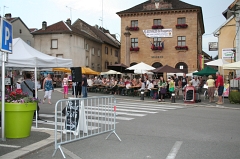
<point>195,82</point>
<point>90,82</point>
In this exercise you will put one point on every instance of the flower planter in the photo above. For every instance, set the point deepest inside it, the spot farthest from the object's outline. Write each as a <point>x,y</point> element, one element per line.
<point>133,28</point>
<point>181,47</point>
<point>179,26</point>
<point>134,49</point>
<point>157,27</point>
<point>18,119</point>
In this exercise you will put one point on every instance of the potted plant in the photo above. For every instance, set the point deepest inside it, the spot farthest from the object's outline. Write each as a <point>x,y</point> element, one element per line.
<point>153,47</point>
<point>181,47</point>
<point>133,28</point>
<point>19,110</point>
<point>157,27</point>
<point>134,48</point>
<point>178,26</point>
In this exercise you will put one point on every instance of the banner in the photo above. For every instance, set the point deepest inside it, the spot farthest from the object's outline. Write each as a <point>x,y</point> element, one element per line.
<point>227,53</point>
<point>158,33</point>
<point>213,46</point>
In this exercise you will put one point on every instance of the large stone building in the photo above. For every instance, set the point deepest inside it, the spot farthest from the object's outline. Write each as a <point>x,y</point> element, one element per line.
<point>162,32</point>
<point>20,29</point>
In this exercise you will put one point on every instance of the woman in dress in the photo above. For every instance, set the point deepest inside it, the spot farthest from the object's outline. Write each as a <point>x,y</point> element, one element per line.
<point>48,88</point>
<point>171,86</point>
<point>161,89</point>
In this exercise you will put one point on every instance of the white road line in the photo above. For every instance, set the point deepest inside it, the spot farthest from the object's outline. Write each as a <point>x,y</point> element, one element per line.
<point>150,104</point>
<point>10,146</point>
<point>174,150</point>
<point>146,106</point>
<point>142,108</point>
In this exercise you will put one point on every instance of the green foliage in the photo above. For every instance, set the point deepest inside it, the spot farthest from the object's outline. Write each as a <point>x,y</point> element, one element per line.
<point>234,97</point>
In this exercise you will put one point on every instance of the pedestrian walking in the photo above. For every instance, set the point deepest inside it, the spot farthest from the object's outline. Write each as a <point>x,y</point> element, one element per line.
<point>48,88</point>
<point>84,86</point>
<point>65,86</point>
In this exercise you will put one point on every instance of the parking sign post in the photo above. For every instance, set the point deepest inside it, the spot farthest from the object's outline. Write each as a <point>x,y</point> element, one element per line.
<point>5,48</point>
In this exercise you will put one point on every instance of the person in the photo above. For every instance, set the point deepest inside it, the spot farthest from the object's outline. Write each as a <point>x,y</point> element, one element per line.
<point>76,89</point>
<point>219,87</point>
<point>18,84</point>
<point>84,86</point>
<point>161,89</point>
<point>150,88</point>
<point>48,88</point>
<point>211,88</point>
<point>90,82</point>
<point>113,88</point>
<point>171,86</point>
<point>195,82</point>
<point>28,85</point>
<point>65,86</point>
<point>177,87</point>
<point>127,86</point>
<point>184,80</point>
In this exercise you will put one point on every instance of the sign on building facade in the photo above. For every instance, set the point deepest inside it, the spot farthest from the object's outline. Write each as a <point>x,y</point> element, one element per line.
<point>161,33</point>
<point>213,46</point>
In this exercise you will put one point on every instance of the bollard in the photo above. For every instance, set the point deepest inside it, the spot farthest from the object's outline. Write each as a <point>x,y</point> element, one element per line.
<point>142,95</point>
<point>173,98</point>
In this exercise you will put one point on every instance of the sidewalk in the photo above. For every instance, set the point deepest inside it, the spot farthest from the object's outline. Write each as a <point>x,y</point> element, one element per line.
<point>39,138</point>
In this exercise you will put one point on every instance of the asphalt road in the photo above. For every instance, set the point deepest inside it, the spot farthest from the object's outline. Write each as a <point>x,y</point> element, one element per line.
<point>186,133</point>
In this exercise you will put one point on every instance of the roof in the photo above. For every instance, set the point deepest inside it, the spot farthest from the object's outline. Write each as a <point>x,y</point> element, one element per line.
<point>176,4</point>
<point>13,19</point>
<point>206,55</point>
<point>63,27</point>
<point>104,37</point>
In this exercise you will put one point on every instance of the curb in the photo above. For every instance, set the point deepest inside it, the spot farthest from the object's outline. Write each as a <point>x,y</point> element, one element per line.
<point>33,147</point>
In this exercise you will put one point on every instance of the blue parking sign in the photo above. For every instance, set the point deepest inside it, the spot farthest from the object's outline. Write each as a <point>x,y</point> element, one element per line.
<point>6,36</point>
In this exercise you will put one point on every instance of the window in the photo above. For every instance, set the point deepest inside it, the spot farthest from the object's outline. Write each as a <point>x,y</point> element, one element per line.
<point>59,55</point>
<point>134,42</point>
<point>86,46</point>
<point>93,51</point>
<point>157,22</point>
<point>92,65</point>
<point>29,42</point>
<point>98,53</point>
<point>134,23</point>
<point>116,53</point>
<point>106,64</point>
<point>87,61</point>
<point>111,51</point>
<point>181,20</point>
<point>20,31</point>
<point>106,50</point>
<point>54,44</point>
<point>98,65</point>
<point>157,41</point>
<point>181,41</point>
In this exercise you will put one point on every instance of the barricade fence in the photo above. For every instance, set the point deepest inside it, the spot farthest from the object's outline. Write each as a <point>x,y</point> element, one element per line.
<point>79,118</point>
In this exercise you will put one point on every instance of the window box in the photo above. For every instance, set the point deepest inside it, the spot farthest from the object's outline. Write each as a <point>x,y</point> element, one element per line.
<point>134,48</point>
<point>181,47</point>
<point>157,27</point>
<point>179,26</point>
<point>153,47</point>
<point>133,28</point>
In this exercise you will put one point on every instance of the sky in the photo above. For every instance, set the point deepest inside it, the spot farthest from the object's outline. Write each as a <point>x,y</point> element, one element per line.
<point>103,12</point>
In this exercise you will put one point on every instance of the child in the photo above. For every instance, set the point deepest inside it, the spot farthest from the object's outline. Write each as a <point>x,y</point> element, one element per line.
<point>65,86</point>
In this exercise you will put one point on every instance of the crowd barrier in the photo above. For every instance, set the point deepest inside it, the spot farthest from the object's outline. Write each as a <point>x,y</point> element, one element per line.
<point>80,118</point>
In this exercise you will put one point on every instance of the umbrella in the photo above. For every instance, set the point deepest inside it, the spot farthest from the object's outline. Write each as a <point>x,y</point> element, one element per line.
<point>89,71</point>
<point>62,70</point>
<point>110,72</point>
<point>167,69</point>
<point>191,74</point>
<point>120,68</point>
<point>141,66</point>
<point>206,71</point>
<point>218,62</point>
<point>142,72</point>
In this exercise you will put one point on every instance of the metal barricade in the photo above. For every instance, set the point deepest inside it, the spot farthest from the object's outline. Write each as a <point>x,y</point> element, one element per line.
<point>80,118</point>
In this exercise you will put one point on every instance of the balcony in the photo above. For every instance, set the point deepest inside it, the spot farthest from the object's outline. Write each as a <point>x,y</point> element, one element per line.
<point>157,27</point>
<point>153,47</point>
<point>134,48</point>
<point>179,26</point>
<point>181,47</point>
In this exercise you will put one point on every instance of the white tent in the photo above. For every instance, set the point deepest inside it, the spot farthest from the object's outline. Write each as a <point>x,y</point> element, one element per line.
<point>191,74</point>
<point>218,62</point>
<point>232,66</point>
<point>142,72</point>
<point>111,72</point>
<point>141,67</point>
<point>25,56</point>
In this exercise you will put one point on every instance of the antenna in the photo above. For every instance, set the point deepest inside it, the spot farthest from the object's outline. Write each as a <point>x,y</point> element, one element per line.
<point>4,10</point>
<point>70,8</point>
<point>102,15</point>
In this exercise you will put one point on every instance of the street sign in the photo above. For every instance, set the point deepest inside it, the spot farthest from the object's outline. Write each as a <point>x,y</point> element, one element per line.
<point>6,36</point>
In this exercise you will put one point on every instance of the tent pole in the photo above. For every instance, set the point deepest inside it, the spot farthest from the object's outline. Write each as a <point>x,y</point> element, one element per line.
<point>36,95</point>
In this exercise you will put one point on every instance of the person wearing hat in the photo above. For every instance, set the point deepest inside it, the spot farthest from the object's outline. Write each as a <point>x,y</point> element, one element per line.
<point>211,88</point>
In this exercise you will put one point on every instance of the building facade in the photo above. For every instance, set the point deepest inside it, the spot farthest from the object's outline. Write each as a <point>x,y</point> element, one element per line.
<point>20,29</point>
<point>162,32</point>
<point>63,40</point>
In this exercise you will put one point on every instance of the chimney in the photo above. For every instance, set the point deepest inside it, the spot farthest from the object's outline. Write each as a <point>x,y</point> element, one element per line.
<point>68,21</point>
<point>96,26</point>
<point>44,25</point>
<point>8,15</point>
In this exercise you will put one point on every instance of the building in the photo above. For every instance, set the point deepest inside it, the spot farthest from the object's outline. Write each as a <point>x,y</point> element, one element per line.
<point>64,40</point>
<point>110,46</point>
<point>20,29</point>
<point>162,32</point>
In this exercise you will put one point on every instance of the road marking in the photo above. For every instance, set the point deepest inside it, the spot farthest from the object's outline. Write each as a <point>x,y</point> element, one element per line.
<point>174,150</point>
<point>70,154</point>
<point>11,146</point>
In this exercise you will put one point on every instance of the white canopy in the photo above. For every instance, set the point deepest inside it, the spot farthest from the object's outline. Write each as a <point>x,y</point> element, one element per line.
<point>218,62</point>
<point>142,72</point>
<point>232,66</point>
<point>25,56</point>
<point>141,66</point>
<point>191,74</point>
<point>110,72</point>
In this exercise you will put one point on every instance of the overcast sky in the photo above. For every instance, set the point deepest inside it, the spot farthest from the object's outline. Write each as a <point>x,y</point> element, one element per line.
<point>34,12</point>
